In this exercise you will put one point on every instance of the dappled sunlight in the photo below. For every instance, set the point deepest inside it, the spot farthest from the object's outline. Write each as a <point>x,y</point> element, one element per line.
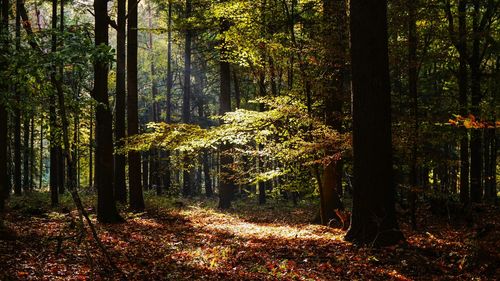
<point>212,220</point>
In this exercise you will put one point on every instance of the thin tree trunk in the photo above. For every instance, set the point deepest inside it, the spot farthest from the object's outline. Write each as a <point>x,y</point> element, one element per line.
<point>32,154</point>
<point>413,92</point>
<point>54,188</point>
<point>186,97</point>
<point>26,153</point>
<point>91,148</point>
<point>4,117</point>
<point>17,117</point>
<point>40,180</point>
<point>476,163</point>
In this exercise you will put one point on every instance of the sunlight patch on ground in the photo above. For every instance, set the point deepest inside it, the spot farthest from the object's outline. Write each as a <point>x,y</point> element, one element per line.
<point>219,222</point>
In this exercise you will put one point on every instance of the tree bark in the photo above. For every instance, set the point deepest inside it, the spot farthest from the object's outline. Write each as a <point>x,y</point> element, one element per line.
<point>54,187</point>
<point>120,159</point>
<point>106,207</point>
<point>134,158</point>
<point>17,116</point>
<point>335,44</point>
<point>373,215</point>
<point>476,159</point>
<point>226,187</point>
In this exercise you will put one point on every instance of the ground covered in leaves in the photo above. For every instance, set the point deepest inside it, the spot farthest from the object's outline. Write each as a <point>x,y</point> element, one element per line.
<point>195,241</point>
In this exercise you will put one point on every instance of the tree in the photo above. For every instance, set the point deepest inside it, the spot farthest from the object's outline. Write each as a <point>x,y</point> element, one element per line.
<point>54,151</point>
<point>106,207</point>
<point>134,158</point>
<point>186,96</point>
<point>4,45</point>
<point>120,159</point>
<point>226,188</point>
<point>17,115</point>
<point>373,218</point>
<point>335,44</point>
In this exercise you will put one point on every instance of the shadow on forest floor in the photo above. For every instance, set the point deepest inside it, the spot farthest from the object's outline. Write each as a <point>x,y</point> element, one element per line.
<point>198,242</point>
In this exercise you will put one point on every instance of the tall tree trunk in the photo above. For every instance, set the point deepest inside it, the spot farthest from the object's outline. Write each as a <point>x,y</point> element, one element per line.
<point>463,89</point>
<point>373,214</point>
<point>155,154</point>
<point>413,93</point>
<point>226,187</point>
<point>169,63</point>
<point>4,156</point>
<point>186,97</point>
<point>134,158</point>
<point>17,116</point>
<point>54,188</point>
<point>476,163</point>
<point>106,207</point>
<point>120,159</point>
<point>335,44</point>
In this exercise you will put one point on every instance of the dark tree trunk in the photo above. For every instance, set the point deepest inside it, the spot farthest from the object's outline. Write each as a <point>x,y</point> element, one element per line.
<point>206,172</point>
<point>32,154</point>
<point>17,117</point>
<point>335,44</point>
<point>4,156</point>
<point>373,216</point>
<point>54,144</point>
<point>145,170</point>
<point>463,89</point>
<point>120,159</point>
<point>186,97</point>
<point>169,64</point>
<point>61,170</point>
<point>41,172</point>
<point>226,187</point>
<point>91,148</point>
<point>26,153</point>
<point>476,163</point>
<point>106,206</point>
<point>134,158</point>
<point>413,93</point>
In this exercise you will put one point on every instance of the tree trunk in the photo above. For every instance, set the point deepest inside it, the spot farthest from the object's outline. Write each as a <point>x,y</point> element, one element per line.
<point>186,97</point>
<point>476,163</point>
<point>373,214</point>
<point>32,154</point>
<point>54,188</point>
<point>169,64</point>
<point>134,158</point>
<point>17,117</point>
<point>335,44</point>
<point>413,93</point>
<point>26,153</point>
<point>106,207</point>
<point>226,187</point>
<point>4,120</point>
<point>120,159</point>
<point>40,180</point>
<point>463,89</point>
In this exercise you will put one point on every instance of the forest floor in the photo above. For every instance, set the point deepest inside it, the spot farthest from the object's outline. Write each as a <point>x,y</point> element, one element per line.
<point>195,241</point>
